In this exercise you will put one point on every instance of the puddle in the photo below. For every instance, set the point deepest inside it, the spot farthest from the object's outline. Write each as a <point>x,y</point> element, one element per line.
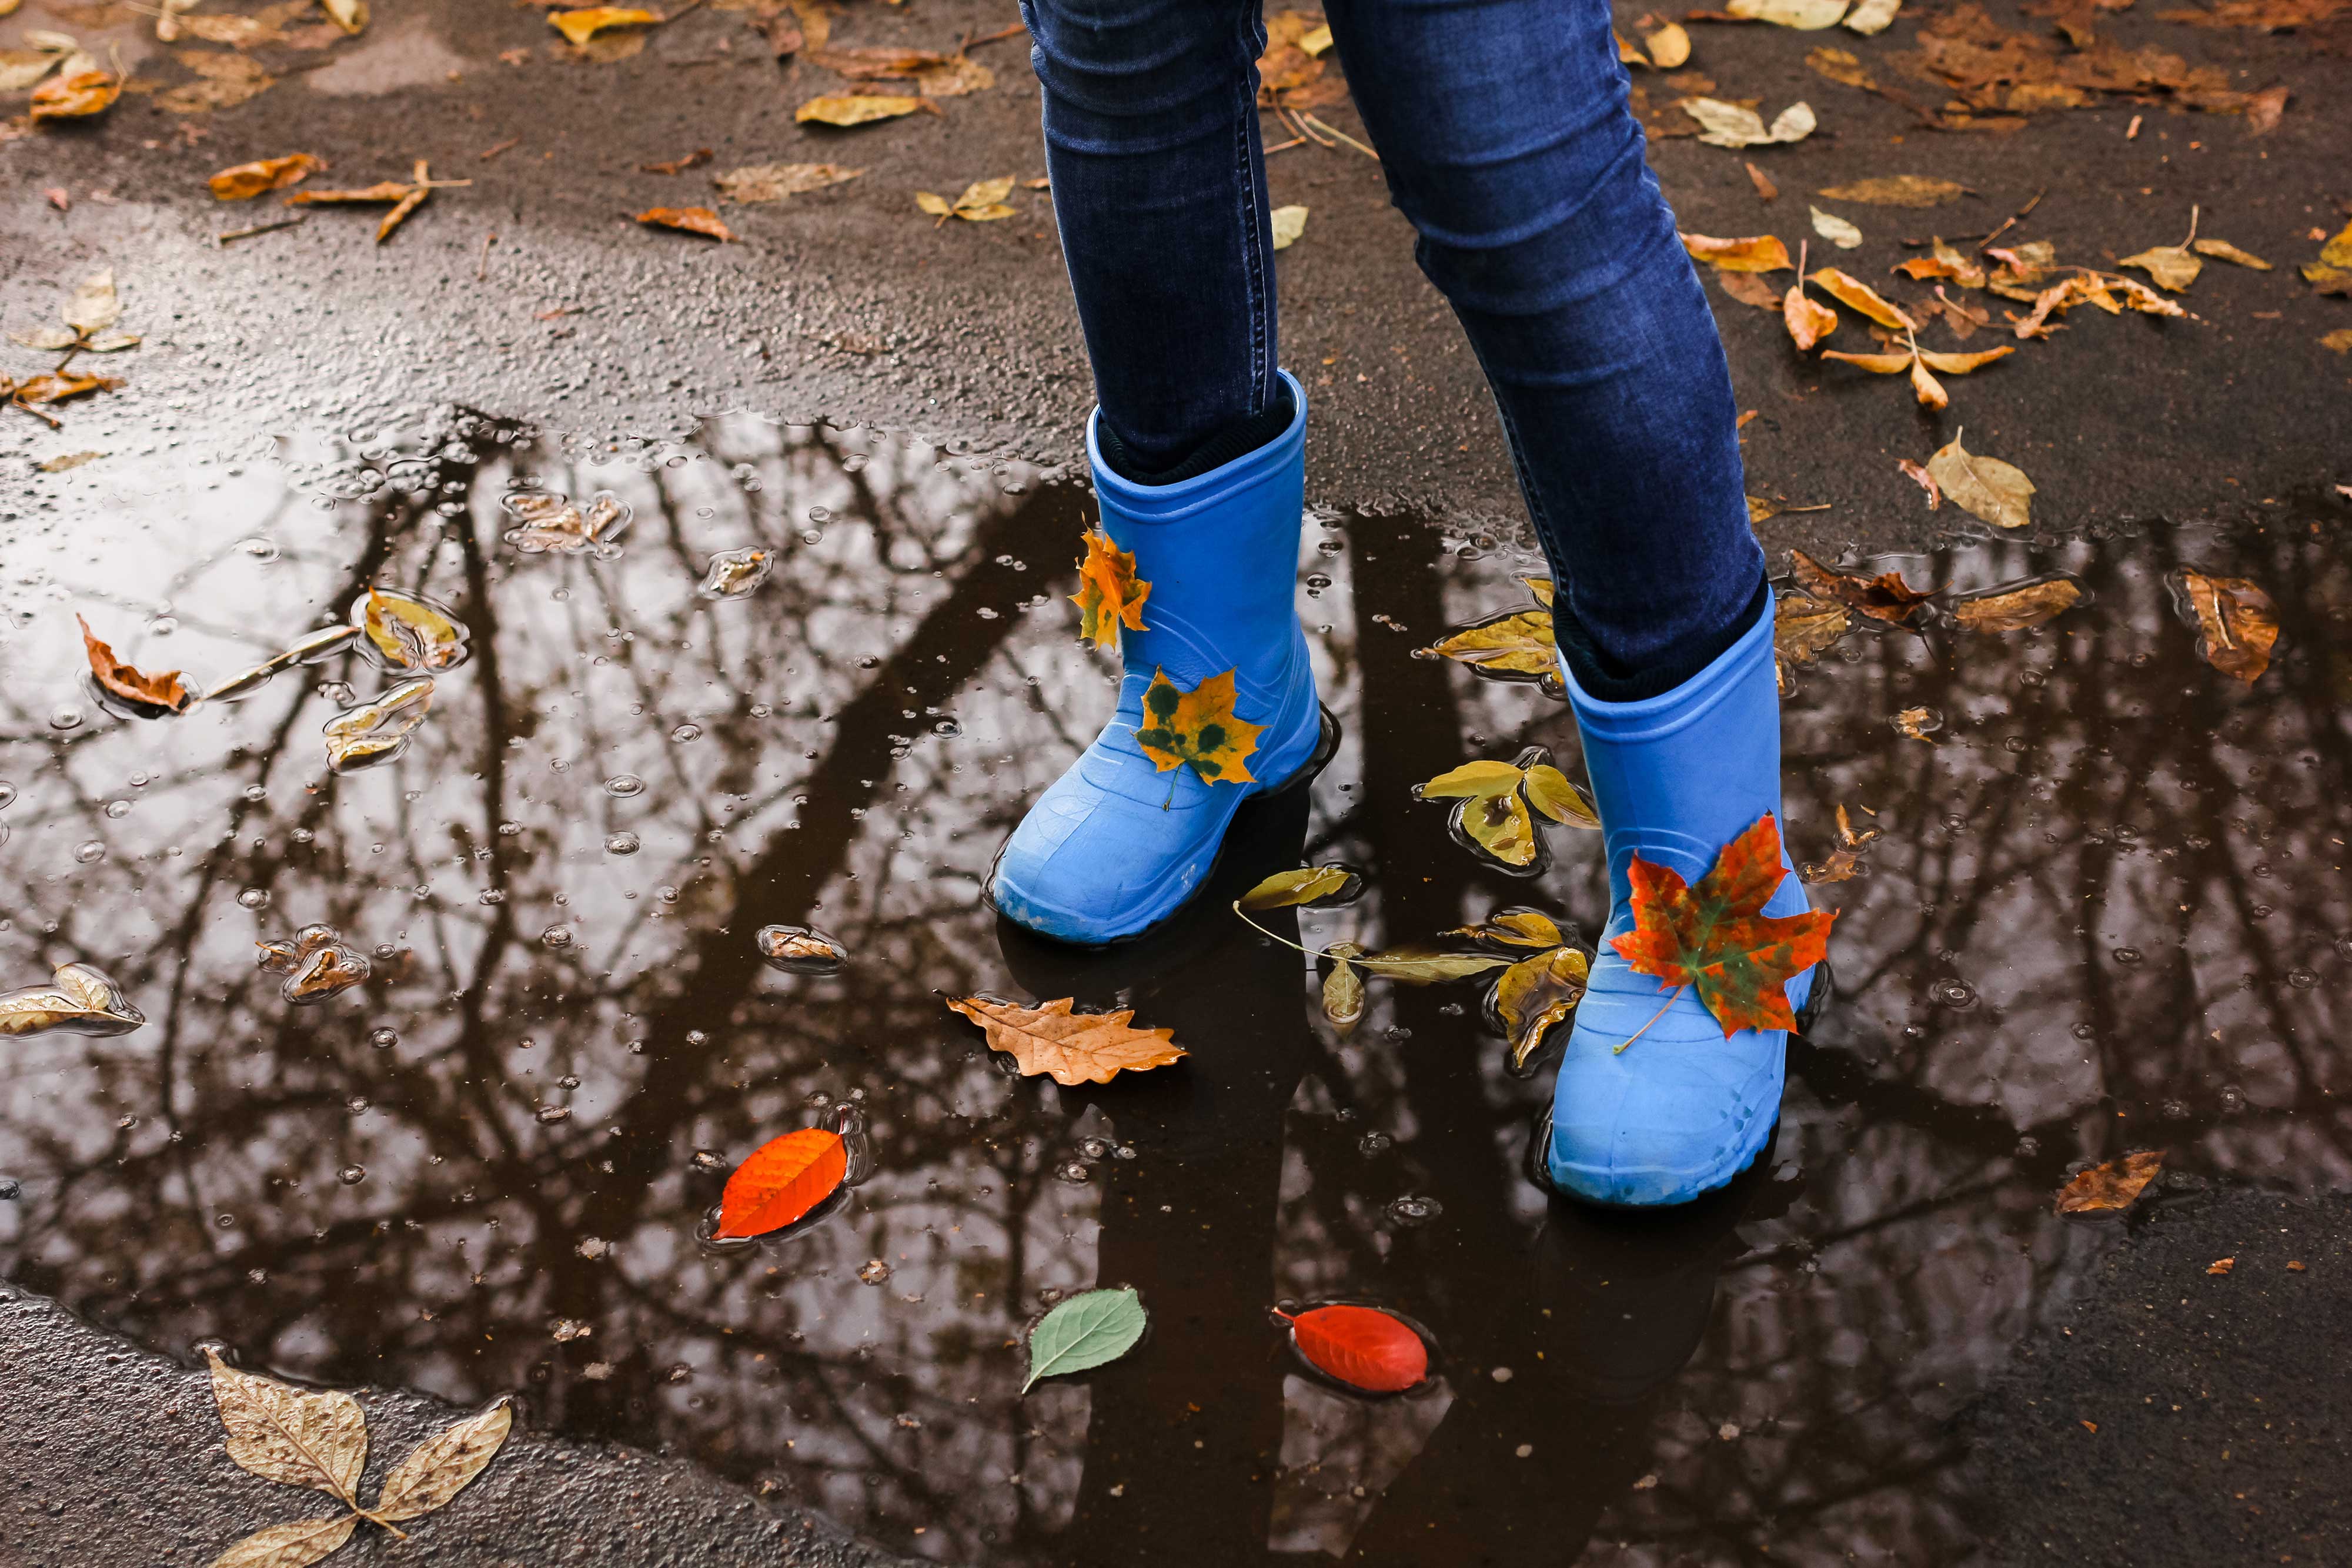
<point>2104,912</point>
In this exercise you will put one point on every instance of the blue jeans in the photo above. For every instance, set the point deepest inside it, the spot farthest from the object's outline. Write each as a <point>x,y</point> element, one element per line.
<point>1504,132</point>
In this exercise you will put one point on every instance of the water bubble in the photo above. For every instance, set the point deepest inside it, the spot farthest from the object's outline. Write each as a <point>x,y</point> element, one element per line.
<point>2128,954</point>
<point>2084,1031</point>
<point>947,729</point>
<point>667,894</point>
<point>555,1113</point>
<point>1124,1152</point>
<point>163,625</point>
<point>622,844</point>
<point>695,1037</point>
<point>254,898</point>
<point>2302,979</point>
<point>7,794</point>
<point>2174,1110</point>
<point>1371,1145</point>
<point>812,536</point>
<point>492,896</point>
<point>1094,1148</point>
<point>678,1372</point>
<point>118,810</point>
<point>1954,993</point>
<point>357,1104</point>
<point>383,1039</point>
<point>685,732</point>
<point>1410,1210</point>
<point>225,1221</point>
<point>260,548</point>
<point>2028,1146</point>
<point>622,785</point>
<point>2231,1099</point>
<point>568,1081</point>
<point>352,1175</point>
<point>89,850</point>
<point>1076,1172</point>
<point>557,936</point>
<point>873,1272</point>
<point>65,717</point>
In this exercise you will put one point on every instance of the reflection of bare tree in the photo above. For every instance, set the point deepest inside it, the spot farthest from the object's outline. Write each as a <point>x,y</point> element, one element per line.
<point>846,748</point>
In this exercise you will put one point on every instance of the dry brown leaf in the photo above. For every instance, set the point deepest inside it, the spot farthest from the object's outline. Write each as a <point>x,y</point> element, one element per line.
<point>75,97</point>
<point>57,387</point>
<point>1925,480</point>
<point>1854,293</point>
<point>2014,609</point>
<point>1985,487</point>
<point>2113,1186</point>
<point>80,998</point>
<point>1757,253</point>
<point>378,731</point>
<point>443,1465</point>
<point>295,1545</point>
<point>2236,622</point>
<point>1946,263</point>
<point>1725,124</point>
<point>983,202</point>
<point>223,82</point>
<point>1885,597</point>
<point>1765,189</point>
<point>689,220</point>
<point>1917,723</point>
<point>1343,988</point>
<point>287,1434</point>
<point>774,182</point>
<point>1750,289</point>
<point>693,160</point>
<point>1844,865</point>
<point>165,691</point>
<point>1896,191</point>
<point>246,180</point>
<point>2174,266</point>
<point>1070,1047</point>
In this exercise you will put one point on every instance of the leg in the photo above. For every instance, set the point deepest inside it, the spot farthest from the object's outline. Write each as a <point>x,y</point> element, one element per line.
<point>1504,128</point>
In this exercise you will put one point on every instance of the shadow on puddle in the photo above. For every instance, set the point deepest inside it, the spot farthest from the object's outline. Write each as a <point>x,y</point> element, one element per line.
<point>2104,912</point>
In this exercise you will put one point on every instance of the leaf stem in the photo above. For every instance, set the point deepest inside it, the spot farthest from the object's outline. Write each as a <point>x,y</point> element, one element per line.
<point>374,1517</point>
<point>1310,952</point>
<point>1620,1048</point>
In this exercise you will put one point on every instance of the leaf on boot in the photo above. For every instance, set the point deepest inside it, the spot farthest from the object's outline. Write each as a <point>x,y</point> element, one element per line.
<point>2236,623</point>
<point>1110,595</point>
<point>782,1182</point>
<point>1307,886</point>
<point>165,691</point>
<point>1716,937</point>
<point>290,1436</point>
<point>1885,597</point>
<point>80,999</point>
<point>1197,726</point>
<point>1070,1047</point>
<point>444,1464</point>
<point>1535,995</point>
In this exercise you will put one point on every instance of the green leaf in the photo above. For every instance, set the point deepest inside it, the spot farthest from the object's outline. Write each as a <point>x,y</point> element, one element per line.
<point>1087,1331</point>
<point>1305,885</point>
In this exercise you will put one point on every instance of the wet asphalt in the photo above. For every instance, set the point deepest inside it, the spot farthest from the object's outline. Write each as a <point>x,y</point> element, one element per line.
<point>531,292</point>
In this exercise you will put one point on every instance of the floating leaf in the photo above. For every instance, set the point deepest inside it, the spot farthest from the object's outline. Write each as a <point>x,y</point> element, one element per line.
<point>80,999</point>
<point>1756,253</point>
<point>377,732</point>
<point>1804,627</point>
<point>1836,230</point>
<point>330,969</point>
<point>2109,1186</point>
<point>1070,1047</point>
<point>410,632</point>
<point>444,1464</point>
<point>2014,609</point>
<point>1310,885</point>
<point>856,108</point>
<point>1086,1331</point>
<point>733,573</point>
<point>246,180</point>
<point>1806,15</point>
<point>289,1436</point>
<point>1109,594</point>
<point>1343,988</point>
<point>1289,223</point>
<point>1428,968</point>
<point>1917,723</point>
<point>1535,995</point>
<point>1716,936</point>
<point>585,23</point>
<point>75,97</point>
<point>1985,487</point>
<point>1518,643</point>
<point>688,220</point>
<point>165,691</point>
<point>1856,295</point>
<point>1896,191</point>
<point>556,523</point>
<point>1552,792</point>
<point>800,949</point>
<point>1198,727</point>
<point>2237,623</point>
<point>1517,929</point>
<point>295,1545</point>
<point>1885,597</point>
<point>1362,1347</point>
<point>782,1182</point>
<point>1473,780</point>
<point>774,182</point>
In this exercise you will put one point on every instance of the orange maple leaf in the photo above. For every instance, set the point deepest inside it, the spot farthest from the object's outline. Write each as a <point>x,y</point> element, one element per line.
<point>1109,594</point>
<point>1716,936</point>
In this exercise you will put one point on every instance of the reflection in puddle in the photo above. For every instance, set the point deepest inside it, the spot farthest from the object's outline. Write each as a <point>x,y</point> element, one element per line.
<point>666,873</point>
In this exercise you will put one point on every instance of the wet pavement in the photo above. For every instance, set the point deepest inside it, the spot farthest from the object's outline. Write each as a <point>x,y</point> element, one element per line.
<point>2104,913</point>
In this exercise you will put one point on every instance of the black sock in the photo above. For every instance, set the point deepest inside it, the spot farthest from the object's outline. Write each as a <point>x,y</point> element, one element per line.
<point>1612,680</point>
<point>1238,439</point>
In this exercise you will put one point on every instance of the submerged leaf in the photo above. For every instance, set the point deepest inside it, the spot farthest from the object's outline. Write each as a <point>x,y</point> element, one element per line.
<point>2014,609</point>
<point>1716,936</point>
<point>165,691</point>
<point>1343,988</point>
<point>1109,594</point>
<point>1537,994</point>
<point>378,731</point>
<point>2110,1186</point>
<point>1804,627</point>
<point>2237,623</point>
<point>1198,727</point>
<point>444,1464</point>
<point>1885,597</point>
<point>288,1435</point>
<point>1070,1047</point>
<point>1310,885</point>
<point>1362,1347</point>
<point>1985,487</point>
<point>80,999</point>
<point>782,1182</point>
<point>329,969</point>
<point>1083,1331</point>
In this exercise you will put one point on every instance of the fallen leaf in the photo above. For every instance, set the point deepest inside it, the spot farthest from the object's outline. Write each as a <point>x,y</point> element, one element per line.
<point>1083,1331</point>
<point>1765,189</point>
<point>1856,295</point>
<point>856,108</point>
<point>1896,191</point>
<point>1844,865</point>
<point>378,731</point>
<point>2174,266</point>
<point>1070,1047</point>
<point>1985,487</point>
<point>1716,936</point>
<point>75,97</point>
<point>983,202</point>
<point>1343,988</point>
<point>1842,66</point>
<point>800,949</point>
<point>584,23</point>
<point>552,523</point>
<point>1919,723</point>
<point>52,387</point>
<point>66,460</point>
<point>1808,320</point>
<point>1805,626</point>
<point>1557,796</point>
<point>1427,969</point>
<point>1871,16</point>
<point>1757,253</point>
<point>1517,929</point>
<point>1198,727</point>
<point>774,182</point>
<point>80,999</point>
<point>1725,124</point>
<point>1362,1347</point>
<point>695,159</point>
<point>410,630</point>
<point>2222,250</point>
<point>246,180</point>
<point>1806,15</point>
<point>329,970</point>
<point>1289,223</point>
<point>689,220</point>
<point>1836,230</point>
<point>1669,46</point>
<point>1307,886</point>
<point>732,573</point>
<point>1885,597</point>
<point>1750,289</point>
<point>1945,263</point>
<point>2111,1185</point>
<point>444,1464</point>
<point>2220,1265</point>
<point>2014,609</point>
<point>295,1545</point>
<point>223,82</point>
<point>782,1182</point>
<point>165,691</point>
<point>351,16</point>
<point>1535,995</point>
<point>2339,342</point>
<point>2236,623</point>
<point>288,1435</point>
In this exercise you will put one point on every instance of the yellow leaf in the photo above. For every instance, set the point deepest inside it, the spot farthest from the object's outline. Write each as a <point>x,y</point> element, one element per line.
<point>1877,364</point>
<point>1872,15</point>
<point>1852,292</point>
<point>689,220</point>
<point>1808,320</point>
<point>2223,250</point>
<point>378,731</point>
<point>288,1435</point>
<point>1499,824</point>
<point>1537,994</point>
<point>1896,190</point>
<point>1315,41</point>
<point>1807,16</point>
<point>1551,792</point>
<point>1669,46</point>
<point>1343,988</point>
<point>1961,364</point>
<point>1428,968</point>
<point>856,108</point>
<point>75,97</point>
<point>1517,929</point>
<point>1308,884</point>
<point>1070,1047</point>
<point>410,631</point>
<point>1519,644</point>
<point>584,23</point>
<point>351,16</point>
<point>1474,780</point>
<point>1289,223</point>
<point>1198,727</point>
<point>2172,265</point>
<point>1927,388</point>
<point>1110,595</point>
<point>937,205</point>
<point>774,182</point>
<point>246,180</point>
<point>1757,252</point>
<point>1985,487</point>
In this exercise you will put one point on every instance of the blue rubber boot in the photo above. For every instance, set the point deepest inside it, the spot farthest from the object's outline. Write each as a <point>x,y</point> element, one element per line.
<point>1116,845</point>
<point>1676,777</point>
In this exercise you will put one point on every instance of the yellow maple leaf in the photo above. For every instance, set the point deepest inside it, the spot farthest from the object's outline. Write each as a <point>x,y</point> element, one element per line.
<point>1072,1048</point>
<point>1109,593</point>
<point>1196,727</point>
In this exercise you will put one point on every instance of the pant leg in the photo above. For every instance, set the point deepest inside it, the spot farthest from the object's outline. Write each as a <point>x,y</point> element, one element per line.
<point>1159,177</point>
<point>1506,134</point>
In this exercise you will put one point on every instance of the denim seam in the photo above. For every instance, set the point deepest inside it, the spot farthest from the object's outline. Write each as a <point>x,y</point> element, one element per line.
<point>1252,201</point>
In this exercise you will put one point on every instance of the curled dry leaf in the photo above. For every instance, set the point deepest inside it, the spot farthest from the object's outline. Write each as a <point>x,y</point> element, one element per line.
<point>295,1545</point>
<point>580,25</point>
<point>75,96</point>
<point>2114,1185</point>
<point>784,1180</point>
<point>1919,475</point>
<point>733,573</point>
<point>1535,995</point>
<point>288,1435</point>
<point>1885,597</point>
<point>1725,124</point>
<point>774,182</point>
<point>1985,487</point>
<point>2236,623</point>
<point>1945,263</point>
<point>1088,1329</point>
<point>1808,320</point>
<point>689,220</point>
<point>409,630</point>
<point>858,109</point>
<point>1870,16</point>
<point>378,731</point>
<point>78,999</point>
<point>2220,1265</point>
<point>326,971</point>
<point>1070,1047</point>
<point>1198,727</point>
<point>1109,594</point>
<point>165,691</point>
<point>444,1464</point>
<point>1756,253</point>
<point>1362,1347</point>
<point>1854,294</point>
<point>2222,250</point>
<point>1306,887</point>
<point>557,523</point>
<point>800,949</point>
<point>246,180</point>
<point>2014,609</point>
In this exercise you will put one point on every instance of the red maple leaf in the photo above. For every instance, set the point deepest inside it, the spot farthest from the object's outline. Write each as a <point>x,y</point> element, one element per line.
<point>1716,937</point>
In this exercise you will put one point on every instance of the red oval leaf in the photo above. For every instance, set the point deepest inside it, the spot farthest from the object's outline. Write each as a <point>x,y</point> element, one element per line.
<point>1362,1347</point>
<point>782,1181</point>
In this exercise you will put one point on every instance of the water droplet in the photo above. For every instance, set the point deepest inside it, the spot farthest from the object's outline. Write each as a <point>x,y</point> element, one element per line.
<point>492,896</point>
<point>1409,1210</point>
<point>873,1272</point>
<point>225,1221</point>
<point>254,898</point>
<point>557,936</point>
<point>695,1037</point>
<point>118,810</point>
<point>2128,954</point>
<point>1371,1145</point>
<point>89,850</point>
<point>667,894</point>
<point>8,798</point>
<point>620,844</point>
<point>685,732</point>
<point>383,1039</point>
<point>2231,1099</point>
<point>1076,1173</point>
<point>509,830</point>
<point>1094,1148</point>
<point>946,728</point>
<point>623,784</point>
<point>555,1113</point>
<point>260,548</point>
<point>2302,979</point>
<point>1954,993</point>
<point>64,718</point>
<point>352,1175</point>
